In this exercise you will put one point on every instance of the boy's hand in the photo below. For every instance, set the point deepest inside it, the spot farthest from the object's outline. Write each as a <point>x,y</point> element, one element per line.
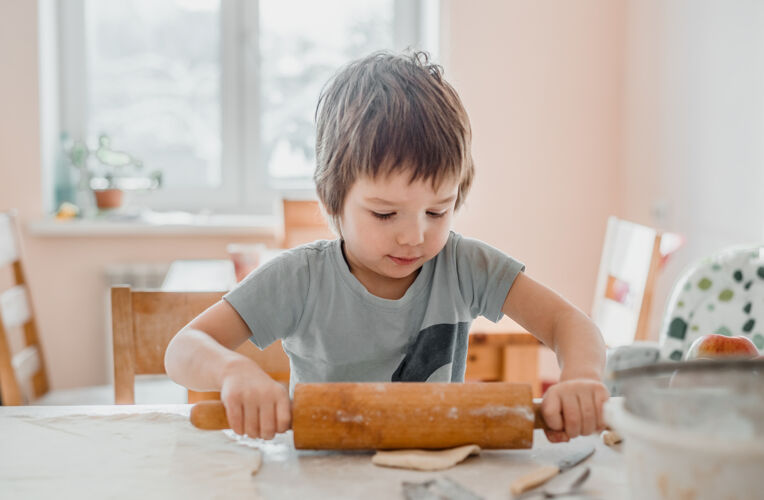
<point>574,408</point>
<point>255,404</point>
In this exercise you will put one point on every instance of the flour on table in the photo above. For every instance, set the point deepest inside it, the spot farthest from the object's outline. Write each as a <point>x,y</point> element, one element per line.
<point>103,451</point>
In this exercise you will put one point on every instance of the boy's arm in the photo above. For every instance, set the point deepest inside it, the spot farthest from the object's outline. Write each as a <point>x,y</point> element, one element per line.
<point>561,326</point>
<point>199,353</point>
<point>575,404</point>
<point>201,357</point>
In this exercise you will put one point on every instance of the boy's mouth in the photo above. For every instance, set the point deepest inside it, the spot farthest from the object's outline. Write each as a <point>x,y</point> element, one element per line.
<point>403,261</point>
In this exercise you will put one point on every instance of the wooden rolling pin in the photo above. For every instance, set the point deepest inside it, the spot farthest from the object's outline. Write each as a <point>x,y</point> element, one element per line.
<point>343,416</point>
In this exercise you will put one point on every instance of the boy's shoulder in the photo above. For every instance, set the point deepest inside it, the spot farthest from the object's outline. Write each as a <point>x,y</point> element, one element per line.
<point>315,250</point>
<point>458,240</point>
<point>465,249</point>
<point>316,247</point>
<point>459,243</point>
<point>296,263</point>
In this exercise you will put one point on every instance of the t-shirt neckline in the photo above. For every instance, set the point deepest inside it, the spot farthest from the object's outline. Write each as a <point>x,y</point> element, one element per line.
<point>343,269</point>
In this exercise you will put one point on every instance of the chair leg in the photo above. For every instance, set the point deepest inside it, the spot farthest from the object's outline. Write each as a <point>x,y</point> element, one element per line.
<point>124,348</point>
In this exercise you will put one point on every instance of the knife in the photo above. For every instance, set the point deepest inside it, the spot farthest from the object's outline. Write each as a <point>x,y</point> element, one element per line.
<point>544,473</point>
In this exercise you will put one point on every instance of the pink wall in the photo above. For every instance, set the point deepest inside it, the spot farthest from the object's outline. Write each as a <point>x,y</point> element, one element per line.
<point>542,83</point>
<point>693,122</point>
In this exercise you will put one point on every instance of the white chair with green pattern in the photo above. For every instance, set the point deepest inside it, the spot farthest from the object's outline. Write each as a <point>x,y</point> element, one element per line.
<point>722,294</point>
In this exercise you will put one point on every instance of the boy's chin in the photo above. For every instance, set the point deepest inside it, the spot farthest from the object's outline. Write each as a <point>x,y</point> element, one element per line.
<point>400,272</point>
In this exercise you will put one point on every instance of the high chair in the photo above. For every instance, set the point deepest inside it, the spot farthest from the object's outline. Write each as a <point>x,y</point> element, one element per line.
<point>719,294</point>
<point>632,257</point>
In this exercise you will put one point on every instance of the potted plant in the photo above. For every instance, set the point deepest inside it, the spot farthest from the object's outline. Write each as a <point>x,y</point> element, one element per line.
<point>108,173</point>
<point>116,171</point>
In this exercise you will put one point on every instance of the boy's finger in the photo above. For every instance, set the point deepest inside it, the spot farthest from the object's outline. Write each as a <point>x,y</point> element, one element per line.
<point>599,399</point>
<point>267,420</point>
<point>551,411</point>
<point>235,417</point>
<point>588,414</point>
<point>283,415</point>
<point>556,436</point>
<point>252,419</point>
<point>571,412</point>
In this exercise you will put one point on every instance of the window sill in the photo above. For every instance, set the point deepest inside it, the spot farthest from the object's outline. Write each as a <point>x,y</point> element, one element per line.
<point>160,224</point>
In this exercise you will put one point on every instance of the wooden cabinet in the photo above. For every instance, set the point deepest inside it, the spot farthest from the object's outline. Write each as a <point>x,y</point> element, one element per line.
<point>506,357</point>
<point>484,362</point>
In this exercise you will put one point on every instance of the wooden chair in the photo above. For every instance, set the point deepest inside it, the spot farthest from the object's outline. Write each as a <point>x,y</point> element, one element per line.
<point>22,375</point>
<point>303,223</point>
<point>632,257</point>
<point>144,322</point>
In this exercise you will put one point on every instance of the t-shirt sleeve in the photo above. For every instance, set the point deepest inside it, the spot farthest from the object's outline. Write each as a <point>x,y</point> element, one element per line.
<point>271,299</point>
<point>485,275</point>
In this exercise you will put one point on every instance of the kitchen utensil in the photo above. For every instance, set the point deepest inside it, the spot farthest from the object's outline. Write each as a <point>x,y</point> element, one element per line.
<point>543,474</point>
<point>692,429</point>
<point>565,484</point>
<point>402,415</point>
<point>440,488</point>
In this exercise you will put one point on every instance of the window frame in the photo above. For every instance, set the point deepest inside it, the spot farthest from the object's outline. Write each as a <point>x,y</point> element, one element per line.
<point>246,184</point>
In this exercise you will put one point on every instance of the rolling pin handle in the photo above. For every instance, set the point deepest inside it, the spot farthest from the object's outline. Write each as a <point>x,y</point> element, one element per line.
<point>209,415</point>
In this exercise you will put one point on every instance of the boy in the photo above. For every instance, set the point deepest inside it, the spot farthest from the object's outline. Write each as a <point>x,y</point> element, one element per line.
<point>393,298</point>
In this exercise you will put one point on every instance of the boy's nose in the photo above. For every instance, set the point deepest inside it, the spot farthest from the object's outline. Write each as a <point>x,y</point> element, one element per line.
<point>411,233</point>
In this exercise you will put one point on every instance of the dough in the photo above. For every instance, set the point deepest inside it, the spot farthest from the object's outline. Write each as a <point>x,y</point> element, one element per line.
<point>424,459</point>
<point>611,438</point>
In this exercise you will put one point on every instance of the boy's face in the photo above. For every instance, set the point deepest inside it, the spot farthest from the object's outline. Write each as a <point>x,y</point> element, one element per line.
<point>392,226</point>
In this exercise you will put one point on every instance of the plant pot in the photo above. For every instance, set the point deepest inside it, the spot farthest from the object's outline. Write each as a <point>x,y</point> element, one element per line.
<point>107,199</point>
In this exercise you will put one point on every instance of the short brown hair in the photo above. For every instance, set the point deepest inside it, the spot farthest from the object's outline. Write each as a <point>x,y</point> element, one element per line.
<point>385,113</point>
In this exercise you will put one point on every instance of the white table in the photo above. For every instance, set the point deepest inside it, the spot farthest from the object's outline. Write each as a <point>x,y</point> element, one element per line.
<point>201,275</point>
<point>151,451</point>
<point>205,275</point>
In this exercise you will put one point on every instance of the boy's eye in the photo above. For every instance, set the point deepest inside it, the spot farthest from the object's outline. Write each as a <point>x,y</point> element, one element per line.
<point>437,214</point>
<point>383,216</point>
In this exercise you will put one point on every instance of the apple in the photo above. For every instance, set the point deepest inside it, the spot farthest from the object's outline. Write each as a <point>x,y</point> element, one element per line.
<point>714,346</point>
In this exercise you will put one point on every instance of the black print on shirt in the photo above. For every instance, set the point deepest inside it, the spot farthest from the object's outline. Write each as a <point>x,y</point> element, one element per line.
<point>434,347</point>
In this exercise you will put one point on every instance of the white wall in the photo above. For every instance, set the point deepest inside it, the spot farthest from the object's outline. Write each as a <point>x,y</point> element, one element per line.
<point>693,156</point>
<point>542,82</point>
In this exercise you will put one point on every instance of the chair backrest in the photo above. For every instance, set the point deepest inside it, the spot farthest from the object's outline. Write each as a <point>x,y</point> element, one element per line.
<point>22,375</point>
<point>144,322</point>
<point>303,223</point>
<point>722,294</point>
<point>632,256</point>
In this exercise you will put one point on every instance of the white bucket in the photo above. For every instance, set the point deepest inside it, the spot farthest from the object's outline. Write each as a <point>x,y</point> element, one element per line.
<point>668,463</point>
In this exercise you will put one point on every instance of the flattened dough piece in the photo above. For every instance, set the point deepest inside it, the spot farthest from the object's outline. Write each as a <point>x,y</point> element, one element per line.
<point>611,438</point>
<point>425,459</point>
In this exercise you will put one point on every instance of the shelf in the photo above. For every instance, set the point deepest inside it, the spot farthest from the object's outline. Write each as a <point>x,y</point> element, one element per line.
<point>159,224</point>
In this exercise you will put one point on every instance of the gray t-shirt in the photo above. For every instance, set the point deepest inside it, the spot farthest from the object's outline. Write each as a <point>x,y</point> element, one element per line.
<point>334,330</point>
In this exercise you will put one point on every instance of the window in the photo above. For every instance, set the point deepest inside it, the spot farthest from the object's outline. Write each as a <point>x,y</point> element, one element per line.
<point>219,95</point>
